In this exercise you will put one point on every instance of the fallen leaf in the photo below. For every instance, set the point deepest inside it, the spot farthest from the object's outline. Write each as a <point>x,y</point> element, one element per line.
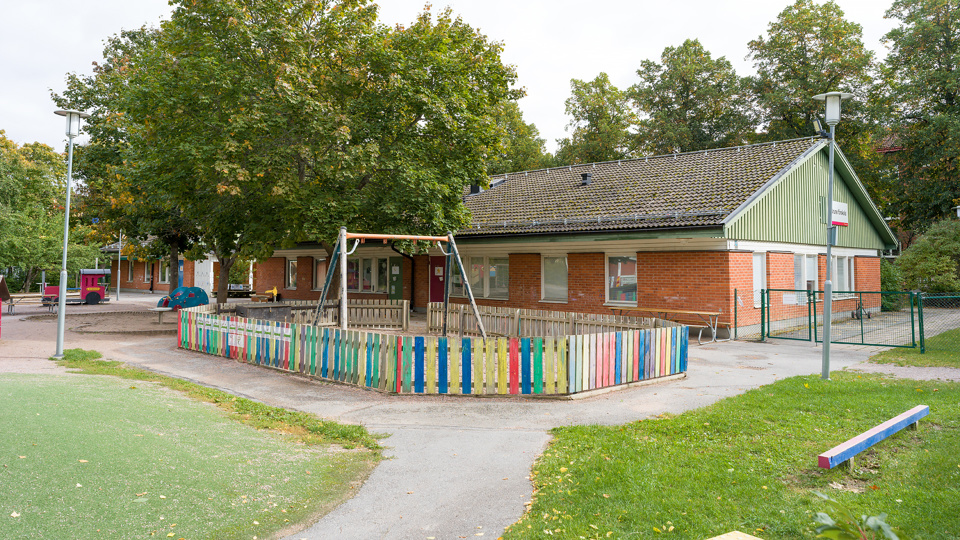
<point>163,496</point>
<point>15,514</point>
<point>78,485</point>
<point>83,461</point>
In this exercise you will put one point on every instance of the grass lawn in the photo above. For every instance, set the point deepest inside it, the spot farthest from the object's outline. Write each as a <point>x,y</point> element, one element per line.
<point>105,457</point>
<point>748,463</point>
<point>943,350</point>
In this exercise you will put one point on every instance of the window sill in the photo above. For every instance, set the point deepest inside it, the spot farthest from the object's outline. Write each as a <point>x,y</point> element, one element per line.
<point>620,304</point>
<point>554,301</point>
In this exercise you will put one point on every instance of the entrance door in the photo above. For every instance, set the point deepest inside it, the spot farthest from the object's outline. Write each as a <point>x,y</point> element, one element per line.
<point>396,278</point>
<point>179,274</point>
<point>437,278</point>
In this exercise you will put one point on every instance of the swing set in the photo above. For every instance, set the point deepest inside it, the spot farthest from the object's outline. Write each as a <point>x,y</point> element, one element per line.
<point>339,259</point>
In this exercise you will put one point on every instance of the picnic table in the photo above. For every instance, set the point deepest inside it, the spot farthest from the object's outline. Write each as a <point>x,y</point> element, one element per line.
<point>710,318</point>
<point>20,299</point>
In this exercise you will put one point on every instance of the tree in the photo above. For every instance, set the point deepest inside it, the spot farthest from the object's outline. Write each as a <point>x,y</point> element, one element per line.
<point>923,74</point>
<point>932,263</point>
<point>600,123</point>
<point>523,149</point>
<point>810,49</point>
<point>690,102</point>
<point>32,190</point>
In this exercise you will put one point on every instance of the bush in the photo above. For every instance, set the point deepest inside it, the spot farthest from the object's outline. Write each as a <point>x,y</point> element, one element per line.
<point>932,264</point>
<point>891,280</point>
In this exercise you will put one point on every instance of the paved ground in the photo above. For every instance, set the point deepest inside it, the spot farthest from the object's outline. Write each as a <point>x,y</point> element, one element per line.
<point>459,466</point>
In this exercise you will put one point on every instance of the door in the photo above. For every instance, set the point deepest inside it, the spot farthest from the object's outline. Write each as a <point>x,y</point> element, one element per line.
<point>437,265</point>
<point>179,274</point>
<point>396,278</point>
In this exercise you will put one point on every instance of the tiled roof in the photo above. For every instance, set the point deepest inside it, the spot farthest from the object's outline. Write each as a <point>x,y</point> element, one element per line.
<point>694,189</point>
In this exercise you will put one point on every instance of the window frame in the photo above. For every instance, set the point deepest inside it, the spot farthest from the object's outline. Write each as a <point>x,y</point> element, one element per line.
<point>804,266</point>
<point>762,257</point>
<point>849,286</point>
<point>290,274</point>
<point>543,279</point>
<point>129,270</point>
<point>317,280</point>
<point>607,282</point>
<point>164,269</point>
<point>374,266</point>
<point>483,290</point>
<point>148,271</point>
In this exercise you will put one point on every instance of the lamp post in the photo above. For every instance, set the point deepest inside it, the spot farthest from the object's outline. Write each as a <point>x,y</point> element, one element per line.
<point>833,100</point>
<point>73,129</point>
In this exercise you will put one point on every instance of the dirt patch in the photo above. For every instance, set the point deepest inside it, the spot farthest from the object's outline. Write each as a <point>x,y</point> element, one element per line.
<point>117,322</point>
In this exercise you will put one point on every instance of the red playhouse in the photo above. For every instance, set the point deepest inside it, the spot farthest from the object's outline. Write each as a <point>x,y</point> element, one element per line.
<point>93,289</point>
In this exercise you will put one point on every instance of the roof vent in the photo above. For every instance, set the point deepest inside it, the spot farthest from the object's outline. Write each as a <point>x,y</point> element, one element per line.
<point>585,179</point>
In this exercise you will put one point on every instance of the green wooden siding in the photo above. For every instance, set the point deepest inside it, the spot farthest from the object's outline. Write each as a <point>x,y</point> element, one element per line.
<point>790,211</point>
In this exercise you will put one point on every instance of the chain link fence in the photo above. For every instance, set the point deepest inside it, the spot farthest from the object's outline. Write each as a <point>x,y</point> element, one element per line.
<point>940,316</point>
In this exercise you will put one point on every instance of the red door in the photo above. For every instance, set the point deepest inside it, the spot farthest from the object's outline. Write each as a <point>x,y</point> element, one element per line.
<point>436,278</point>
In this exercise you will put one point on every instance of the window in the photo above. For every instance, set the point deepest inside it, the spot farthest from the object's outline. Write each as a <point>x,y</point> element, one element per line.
<point>843,270</point>
<point>147,272</point>
<point>164,273</point>
<point>489,277</point>
<point>129,269</point>
<point>622,279</point>
<point>319,273</point>
<point>759,276</point>
<point>806,277</point>
<point>367,275</point>
<point>554,279</point>
<point>291,275</point>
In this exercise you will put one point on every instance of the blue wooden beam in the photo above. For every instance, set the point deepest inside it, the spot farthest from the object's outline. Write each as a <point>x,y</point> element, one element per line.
<point>842,452</point>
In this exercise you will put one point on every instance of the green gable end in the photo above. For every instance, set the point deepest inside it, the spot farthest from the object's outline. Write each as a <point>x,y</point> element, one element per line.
<point>793,209</point>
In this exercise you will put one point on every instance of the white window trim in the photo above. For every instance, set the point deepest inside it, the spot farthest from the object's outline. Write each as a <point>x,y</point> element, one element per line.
<point>147,271</point>
<point>606,280</point>
<point>485,276</point>
<point>164,269</point>
<point>850,286</point>
<point>287,274</point>
<point>374,275</point>
<point>800,299</point>
<point>317,282</point>
<point>129,270</point>
<point>762,257</point>
<point>543,279</point>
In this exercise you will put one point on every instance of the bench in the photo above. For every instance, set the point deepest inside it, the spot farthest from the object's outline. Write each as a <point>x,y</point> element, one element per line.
<point>847,450</point>
<point>29,299</point>
<point>683,316</point>
<point>160,311</point>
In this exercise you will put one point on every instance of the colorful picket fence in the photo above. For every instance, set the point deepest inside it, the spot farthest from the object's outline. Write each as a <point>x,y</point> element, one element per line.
<point>439,365</point>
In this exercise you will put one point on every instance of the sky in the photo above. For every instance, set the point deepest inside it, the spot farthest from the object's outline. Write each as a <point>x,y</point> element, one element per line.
<point>549,42</point>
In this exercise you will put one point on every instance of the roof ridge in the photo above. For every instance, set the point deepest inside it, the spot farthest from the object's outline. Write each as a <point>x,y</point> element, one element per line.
<point>506,176</point>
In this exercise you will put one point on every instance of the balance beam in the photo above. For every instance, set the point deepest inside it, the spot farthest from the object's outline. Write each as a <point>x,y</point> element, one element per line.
<point>845,451</point>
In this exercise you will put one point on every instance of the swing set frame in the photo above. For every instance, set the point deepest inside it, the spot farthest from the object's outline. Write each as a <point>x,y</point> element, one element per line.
<point>339,259</point>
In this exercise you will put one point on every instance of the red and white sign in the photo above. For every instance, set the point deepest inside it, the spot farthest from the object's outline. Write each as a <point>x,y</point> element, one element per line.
<point>840,214</point>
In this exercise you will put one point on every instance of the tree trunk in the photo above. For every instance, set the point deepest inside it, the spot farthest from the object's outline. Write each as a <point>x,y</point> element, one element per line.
<point>31,273</point>
<point>174,267</point>
<point>226,263</point>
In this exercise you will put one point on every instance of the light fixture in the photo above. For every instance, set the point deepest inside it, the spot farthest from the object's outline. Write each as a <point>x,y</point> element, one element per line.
<point>833,100</point>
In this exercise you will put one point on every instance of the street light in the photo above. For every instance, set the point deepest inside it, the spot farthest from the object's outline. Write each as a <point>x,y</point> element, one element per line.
<point>833,100</point>
<point>73,129</point>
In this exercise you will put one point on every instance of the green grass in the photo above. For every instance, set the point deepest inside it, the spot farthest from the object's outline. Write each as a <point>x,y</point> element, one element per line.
<point>942,350</point>
<point>748,463</point>
<point>103,457</point>
<point>305,427</point>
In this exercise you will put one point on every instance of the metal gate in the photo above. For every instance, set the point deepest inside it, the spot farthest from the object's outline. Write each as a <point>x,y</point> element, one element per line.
<point>881,318</point>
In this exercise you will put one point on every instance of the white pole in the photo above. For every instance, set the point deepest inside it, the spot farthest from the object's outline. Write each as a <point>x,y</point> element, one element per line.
<point>62,301</point>
<point>343,278</point>
<point>119,260</point>
<point>827,284</point>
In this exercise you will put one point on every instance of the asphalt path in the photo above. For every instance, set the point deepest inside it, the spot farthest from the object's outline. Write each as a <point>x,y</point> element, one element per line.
<point>457,467</point>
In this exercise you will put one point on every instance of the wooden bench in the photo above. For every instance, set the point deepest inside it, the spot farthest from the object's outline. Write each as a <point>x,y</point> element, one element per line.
<point>22,299</point>
<point>698,319</point>
<point>847,450</point>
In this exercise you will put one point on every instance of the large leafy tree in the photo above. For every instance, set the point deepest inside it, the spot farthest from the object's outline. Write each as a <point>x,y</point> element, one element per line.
<point>689,101</point>
<point>123,202</point>
<point>600,122</point>
<point>923,73</point>
<point>810,49</point>
<point>32,190</point>
<point>523,148</point>
<point>932,263</point>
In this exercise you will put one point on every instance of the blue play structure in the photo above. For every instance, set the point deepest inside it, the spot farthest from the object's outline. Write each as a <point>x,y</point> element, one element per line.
<point>184,297</point>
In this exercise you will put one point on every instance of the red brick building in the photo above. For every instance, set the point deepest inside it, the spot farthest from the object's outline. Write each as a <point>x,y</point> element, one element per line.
<point>684,231</point>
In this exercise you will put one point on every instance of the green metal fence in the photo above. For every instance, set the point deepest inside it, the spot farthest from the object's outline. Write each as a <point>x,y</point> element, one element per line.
<point>940,322</point>
<point>881,318</point>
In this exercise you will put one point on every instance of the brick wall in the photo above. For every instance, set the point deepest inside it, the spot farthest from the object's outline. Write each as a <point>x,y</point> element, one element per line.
<point>692,280</point>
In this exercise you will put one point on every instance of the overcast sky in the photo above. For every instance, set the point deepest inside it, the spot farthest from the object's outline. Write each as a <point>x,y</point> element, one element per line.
<point>549,42</point>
